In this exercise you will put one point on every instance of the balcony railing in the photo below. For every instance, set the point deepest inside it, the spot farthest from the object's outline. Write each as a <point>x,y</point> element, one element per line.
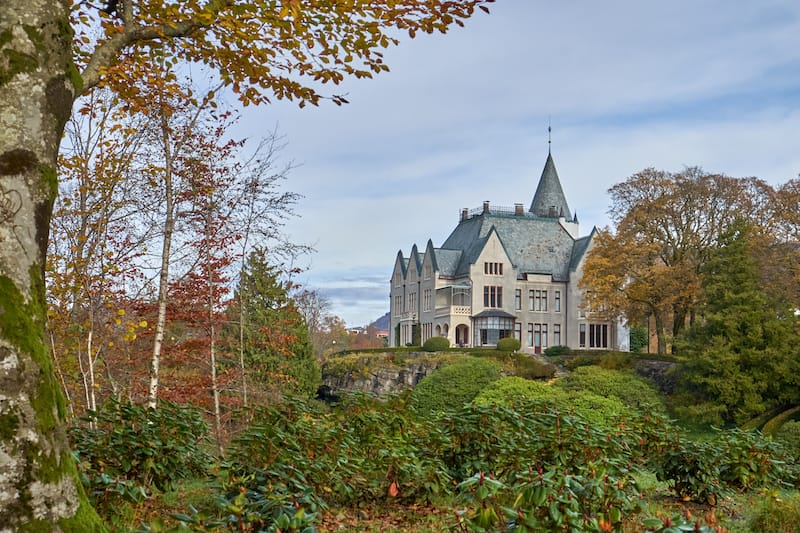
<point>454,310</point>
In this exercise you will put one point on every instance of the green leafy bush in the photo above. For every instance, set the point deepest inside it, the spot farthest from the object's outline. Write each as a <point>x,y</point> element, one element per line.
<point>452,386</point>
<point>789,436</point>
<point>734,460</point>
<point>508,344</point>
<point>589,499</point>
<point>638,339</point>
<point>521,364</point>
<point>553,351</point>
<point>631,389</point>
<point>150,447</point>
<point>436,344</point>
<point>511,390</point>
<point>593,408</point>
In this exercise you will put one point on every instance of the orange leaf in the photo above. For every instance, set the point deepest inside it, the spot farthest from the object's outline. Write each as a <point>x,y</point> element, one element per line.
<point>393,490</point>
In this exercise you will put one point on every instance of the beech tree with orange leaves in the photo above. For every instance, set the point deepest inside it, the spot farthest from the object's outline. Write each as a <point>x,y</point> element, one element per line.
<point>51,53</point>
<point>666,225</point>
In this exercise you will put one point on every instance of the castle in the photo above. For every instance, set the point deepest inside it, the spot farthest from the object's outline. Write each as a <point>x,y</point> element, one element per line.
<point>502,272</point>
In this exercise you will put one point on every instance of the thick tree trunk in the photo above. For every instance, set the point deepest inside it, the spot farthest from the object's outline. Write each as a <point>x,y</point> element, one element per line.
<point>39,489</point>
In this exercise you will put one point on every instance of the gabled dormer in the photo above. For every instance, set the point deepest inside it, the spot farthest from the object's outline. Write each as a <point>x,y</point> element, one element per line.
<point>429,266</point>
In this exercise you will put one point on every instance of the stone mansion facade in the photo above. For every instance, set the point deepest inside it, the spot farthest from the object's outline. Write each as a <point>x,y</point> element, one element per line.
<point>502,272</point>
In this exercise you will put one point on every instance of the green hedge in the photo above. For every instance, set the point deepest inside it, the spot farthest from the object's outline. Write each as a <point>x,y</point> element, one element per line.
<point>436,344</point>
<point>631,389</point>
<point>452,386</point>
<point>512,391</point>
<point>508,344</point>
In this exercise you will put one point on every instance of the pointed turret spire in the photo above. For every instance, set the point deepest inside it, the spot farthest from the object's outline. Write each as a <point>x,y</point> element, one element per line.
<point>549,200</point>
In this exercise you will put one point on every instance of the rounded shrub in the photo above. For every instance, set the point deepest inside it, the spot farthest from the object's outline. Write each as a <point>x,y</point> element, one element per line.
<point>789,435</point>
<point>631,389</point>
<point>557,350</point>
<point>436,344</point>
<point>511,390</point>
<point>452,386</point>
<point>508,344</point>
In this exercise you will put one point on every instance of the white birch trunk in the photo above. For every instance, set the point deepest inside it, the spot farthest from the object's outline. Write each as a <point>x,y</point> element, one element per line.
<point>163,280</point>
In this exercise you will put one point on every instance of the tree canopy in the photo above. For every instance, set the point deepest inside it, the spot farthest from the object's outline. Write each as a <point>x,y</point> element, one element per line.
<point>53,52</point>
<point>741,358</point>
<point>666,226</point>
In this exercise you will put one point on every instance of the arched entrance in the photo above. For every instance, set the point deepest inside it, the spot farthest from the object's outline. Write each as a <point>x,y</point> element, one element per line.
<point>462,335</point>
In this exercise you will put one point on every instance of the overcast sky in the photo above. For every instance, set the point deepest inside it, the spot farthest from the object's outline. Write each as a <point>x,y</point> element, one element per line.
<point>462,118</point>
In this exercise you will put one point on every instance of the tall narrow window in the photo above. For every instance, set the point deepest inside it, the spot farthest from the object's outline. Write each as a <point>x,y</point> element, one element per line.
<point>518,299</point>
<point>544,335</point>
<point>598,335</point>
<point>556,334</point>
<point>518,331</point>
<point>492,296</point>
<point>493,269</point>
<point>531,300</point>
<point>530,334</point>
<point>557,302</point>
<point>582,338</point>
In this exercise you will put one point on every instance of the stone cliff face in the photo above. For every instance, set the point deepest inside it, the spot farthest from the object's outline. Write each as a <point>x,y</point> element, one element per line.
<point>661,372</point>
<point>379,374</point>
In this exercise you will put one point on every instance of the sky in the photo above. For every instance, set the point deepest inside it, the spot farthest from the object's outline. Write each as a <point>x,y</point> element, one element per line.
<point>462,118</point>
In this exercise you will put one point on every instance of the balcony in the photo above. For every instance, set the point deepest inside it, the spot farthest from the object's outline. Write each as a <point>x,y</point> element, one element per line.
<point>453,310</point>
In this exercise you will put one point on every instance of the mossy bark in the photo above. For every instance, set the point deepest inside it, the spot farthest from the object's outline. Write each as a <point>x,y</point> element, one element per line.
<point>39,487</point>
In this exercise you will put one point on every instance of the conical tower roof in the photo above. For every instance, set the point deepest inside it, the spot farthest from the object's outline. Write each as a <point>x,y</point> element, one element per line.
<point>549,200</point>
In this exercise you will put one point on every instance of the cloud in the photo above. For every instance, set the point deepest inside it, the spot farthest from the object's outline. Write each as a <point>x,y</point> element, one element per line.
<point>462,118</point>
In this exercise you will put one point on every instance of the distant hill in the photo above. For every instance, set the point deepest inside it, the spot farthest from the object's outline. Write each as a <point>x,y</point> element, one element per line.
<point>382,323</point>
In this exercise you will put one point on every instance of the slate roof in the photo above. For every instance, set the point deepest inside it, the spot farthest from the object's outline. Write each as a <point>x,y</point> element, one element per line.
<point>535,245</point>
<point>549,193</point>
<point>535,241</point>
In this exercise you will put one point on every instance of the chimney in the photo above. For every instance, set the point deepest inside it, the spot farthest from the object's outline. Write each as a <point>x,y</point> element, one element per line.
<point>464,214</point>
<point>552,212</point>
<point>519,210</point>
<point>486,206</point>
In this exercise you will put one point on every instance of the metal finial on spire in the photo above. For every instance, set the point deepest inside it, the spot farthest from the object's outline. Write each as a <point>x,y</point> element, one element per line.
<point>549,130</point>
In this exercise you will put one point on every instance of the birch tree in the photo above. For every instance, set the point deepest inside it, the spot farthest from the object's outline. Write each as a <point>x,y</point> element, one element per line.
<point>51,52</point>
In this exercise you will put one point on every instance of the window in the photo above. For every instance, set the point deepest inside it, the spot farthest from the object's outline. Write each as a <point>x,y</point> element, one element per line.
<point>544,335</point>
<point>557,302</point>
<point>412,301</point>
<point>492,296</point>
<point>518,299</point>
<point>530,334</point>
<point>598,335</point>
<point>582,337</point>
<point>398,304</point>
<point>556,334</point>
<point>493,269</point>
<point>537,335</point>
<point>518,332</point>
<point>537,300</point>
<point>427,299</point>
<point>489,330</point>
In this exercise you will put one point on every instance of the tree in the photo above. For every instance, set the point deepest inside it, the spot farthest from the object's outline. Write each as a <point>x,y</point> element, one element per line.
<point>666,224</point>
<point>741,357</point>
<point>276,347</point>
<point>52,52</point>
